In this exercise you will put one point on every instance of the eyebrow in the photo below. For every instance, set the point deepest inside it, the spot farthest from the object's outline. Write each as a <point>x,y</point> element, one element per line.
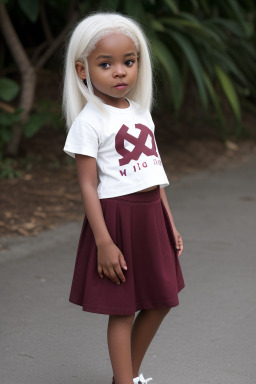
<point>110,57</point>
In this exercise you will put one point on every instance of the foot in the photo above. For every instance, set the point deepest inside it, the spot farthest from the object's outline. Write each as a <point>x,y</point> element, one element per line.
<point>140,380</point>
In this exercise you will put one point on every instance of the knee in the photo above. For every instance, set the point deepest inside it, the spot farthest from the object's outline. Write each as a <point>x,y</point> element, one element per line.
<point>161,312</point>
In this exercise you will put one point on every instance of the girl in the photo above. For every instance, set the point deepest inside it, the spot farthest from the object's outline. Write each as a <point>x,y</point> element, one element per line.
<point>128,253</point>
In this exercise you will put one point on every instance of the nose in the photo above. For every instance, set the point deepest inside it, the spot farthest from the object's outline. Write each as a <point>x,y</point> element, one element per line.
<point>119,71</point>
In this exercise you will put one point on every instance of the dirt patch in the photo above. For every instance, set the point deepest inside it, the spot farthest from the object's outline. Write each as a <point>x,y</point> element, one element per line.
<point>47,194</point>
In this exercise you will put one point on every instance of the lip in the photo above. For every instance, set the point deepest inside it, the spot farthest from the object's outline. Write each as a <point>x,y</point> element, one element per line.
<point>120,86</point>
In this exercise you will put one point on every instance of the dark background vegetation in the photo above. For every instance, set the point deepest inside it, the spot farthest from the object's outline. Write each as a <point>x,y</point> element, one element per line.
<point>205,69</point>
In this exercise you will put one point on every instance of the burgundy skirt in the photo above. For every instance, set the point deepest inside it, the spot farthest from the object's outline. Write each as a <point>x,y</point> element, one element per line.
<point>140,226</point>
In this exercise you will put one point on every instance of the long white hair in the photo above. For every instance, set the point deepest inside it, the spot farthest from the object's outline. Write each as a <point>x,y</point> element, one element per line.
<point>83,40</point>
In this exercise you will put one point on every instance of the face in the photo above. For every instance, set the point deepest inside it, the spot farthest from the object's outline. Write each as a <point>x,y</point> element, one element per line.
<point>113,69</point>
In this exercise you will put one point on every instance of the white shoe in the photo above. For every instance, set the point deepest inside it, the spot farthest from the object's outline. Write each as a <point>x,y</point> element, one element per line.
<point>140,379</point>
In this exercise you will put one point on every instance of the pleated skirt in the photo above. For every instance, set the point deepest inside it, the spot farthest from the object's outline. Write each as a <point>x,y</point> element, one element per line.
<point>140,226</point>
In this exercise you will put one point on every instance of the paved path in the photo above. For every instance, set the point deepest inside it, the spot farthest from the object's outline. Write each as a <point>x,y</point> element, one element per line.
<point>208,339</point>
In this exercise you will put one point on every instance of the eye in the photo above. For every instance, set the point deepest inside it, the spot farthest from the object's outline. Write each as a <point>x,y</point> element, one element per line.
<point>129,63</point>
<point>105,65</point>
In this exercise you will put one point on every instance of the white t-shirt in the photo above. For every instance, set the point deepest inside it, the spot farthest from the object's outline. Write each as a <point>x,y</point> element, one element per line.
<point>122,142</point>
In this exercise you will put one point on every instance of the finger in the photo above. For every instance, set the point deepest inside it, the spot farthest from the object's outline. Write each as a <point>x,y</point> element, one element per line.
<point>113,276</point>
<point>122,261</point>
<point>105,272</point>
<point>100,271</point>
<point>180,250</point>
<point>119,273</point>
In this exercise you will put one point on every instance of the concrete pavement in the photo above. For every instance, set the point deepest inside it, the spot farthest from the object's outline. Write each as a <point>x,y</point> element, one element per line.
<point>209,338</point>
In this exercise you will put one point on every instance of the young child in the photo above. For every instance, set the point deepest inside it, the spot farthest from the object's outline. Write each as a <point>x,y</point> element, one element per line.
<point>129,248</point>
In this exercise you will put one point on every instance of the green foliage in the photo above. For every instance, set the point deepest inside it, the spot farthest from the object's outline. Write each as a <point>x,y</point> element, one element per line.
<point>30,8</point>
<point>7,166</point>
<point>33,125</point>
<point>8,169</point>
<point>212,41</point>
<point>229,91</point>
<point>108,4</point>
<point>8,89</point>
<point>7,120</point>
<point>47,112</point>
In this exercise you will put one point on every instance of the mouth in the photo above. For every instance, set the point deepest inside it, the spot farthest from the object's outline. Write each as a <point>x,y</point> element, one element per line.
<point>120,86</point>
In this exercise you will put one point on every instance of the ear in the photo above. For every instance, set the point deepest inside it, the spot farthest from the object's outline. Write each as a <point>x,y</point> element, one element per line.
<point>80,70</point>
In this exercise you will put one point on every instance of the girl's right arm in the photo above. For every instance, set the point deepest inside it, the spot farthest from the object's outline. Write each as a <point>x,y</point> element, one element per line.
<point>110,258</point>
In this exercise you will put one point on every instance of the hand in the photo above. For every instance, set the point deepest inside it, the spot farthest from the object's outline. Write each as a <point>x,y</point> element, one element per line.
<point>110,262</point>
<point>178,242</point>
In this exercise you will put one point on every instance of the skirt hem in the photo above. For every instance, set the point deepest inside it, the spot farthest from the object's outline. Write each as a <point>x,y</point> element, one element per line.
<point>127,311</point>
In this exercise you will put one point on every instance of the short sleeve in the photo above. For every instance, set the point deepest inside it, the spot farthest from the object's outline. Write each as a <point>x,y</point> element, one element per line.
<point>82,138</point>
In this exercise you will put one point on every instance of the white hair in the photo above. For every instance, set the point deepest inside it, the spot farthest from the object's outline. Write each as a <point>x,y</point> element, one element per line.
<point>82,42</point>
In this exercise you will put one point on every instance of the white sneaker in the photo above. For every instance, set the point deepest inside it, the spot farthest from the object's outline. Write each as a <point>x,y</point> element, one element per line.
<point>140,379</point>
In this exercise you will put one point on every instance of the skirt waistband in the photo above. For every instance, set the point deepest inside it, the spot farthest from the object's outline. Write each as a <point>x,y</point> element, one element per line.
<point>140,197</point>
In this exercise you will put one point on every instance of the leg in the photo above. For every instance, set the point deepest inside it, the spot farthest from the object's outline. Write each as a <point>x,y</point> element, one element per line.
<point>119,345</point>
<point>144,329</point>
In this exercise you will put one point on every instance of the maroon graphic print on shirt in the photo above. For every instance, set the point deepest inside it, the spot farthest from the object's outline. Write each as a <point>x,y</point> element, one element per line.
<point>138,142</point>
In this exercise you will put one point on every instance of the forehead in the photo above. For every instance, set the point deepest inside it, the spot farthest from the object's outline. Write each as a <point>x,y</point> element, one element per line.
<point>115,43</point>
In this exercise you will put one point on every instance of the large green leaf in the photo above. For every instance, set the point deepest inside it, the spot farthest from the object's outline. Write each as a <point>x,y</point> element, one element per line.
<point>205,5</point>
<point>227,25</point>
<point>7,119</point>
<point>215,100</point>
<point>179,23</point>
<point>229,91</point>
<point>157,25</point>
<point>171,69</point>
<point>194,63</point>
<point>172,5</point>
<point>192,26</point>
<point>33,125</point>
<point>30,8</point>
<point>228,65</point>
<point>238,12</point>
<point>135,9</point>
<point>8,89</point>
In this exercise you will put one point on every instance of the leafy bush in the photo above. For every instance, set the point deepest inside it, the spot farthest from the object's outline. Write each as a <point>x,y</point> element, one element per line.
<point>212,40</point>
<point>8,116</point>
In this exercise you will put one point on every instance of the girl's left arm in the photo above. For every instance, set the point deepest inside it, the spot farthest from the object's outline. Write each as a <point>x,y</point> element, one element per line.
<point>178,238</point>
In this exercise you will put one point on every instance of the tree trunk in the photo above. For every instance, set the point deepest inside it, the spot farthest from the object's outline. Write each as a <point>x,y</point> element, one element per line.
<point>28,77</point>
<point>27,70</point>
<point>26,103</point>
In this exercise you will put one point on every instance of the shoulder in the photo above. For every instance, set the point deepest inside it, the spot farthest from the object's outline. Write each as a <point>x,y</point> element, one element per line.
<point>89,114</point>
<point>88,121</point>
<point>143,113</point>
<point>138,108</point>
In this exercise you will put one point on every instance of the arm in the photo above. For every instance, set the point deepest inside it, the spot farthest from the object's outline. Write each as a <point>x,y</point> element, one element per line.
<point>166,204</point>
<point>178,238</point>
<point>110,258</point>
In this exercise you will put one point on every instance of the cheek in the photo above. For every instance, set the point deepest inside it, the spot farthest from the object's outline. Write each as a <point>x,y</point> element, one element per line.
<point>98,76</point>
<point>135,74</point>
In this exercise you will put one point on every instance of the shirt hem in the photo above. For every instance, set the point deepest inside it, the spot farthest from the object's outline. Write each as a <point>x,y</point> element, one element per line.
<point>71,152</point>
<point>135,188</point>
